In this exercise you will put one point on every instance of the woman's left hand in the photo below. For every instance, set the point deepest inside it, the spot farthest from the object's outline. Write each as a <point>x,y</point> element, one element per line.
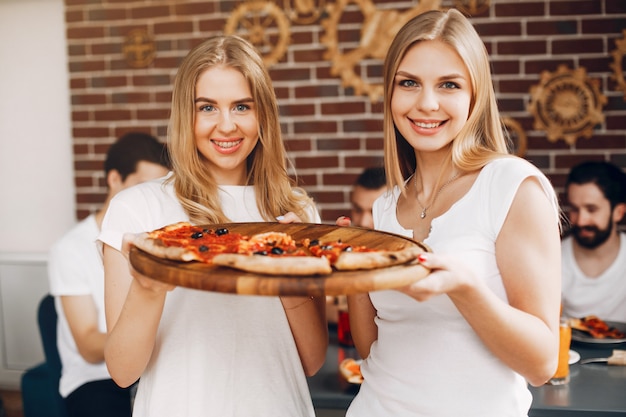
<point>448,276</point>
<point>289,217</point>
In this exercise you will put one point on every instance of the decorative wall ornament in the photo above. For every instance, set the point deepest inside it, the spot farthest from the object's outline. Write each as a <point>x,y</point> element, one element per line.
<point>472,7</point>
<point>517,136</point>
<point>264,25</point>
<point>566,104</point>
<point>139,48</point>
<point>618,69</point>
<point>304,12</point>
<point>377,31</point>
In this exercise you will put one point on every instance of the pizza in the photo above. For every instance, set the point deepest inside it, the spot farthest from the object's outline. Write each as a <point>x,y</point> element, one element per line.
<point>270,253</point>
<point>596,328</point>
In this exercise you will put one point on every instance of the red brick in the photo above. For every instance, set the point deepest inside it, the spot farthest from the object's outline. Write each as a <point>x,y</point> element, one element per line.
<point>521,47</point>
<point>153,114</point>
<point>615,6</point>
<point>604,25</point>
<point>107,14</point>
<point>109,82</point>
<point>88,99</point>
<point>87,66</point>
<point>112,115</point>
<point>552,27</point>
<point>336,144</point>
<point>172,28</point>
<point>498,29</point>
<point>516,9</point>
<point>579,7</point>
<point>319,126</point>
<point>343,108</point>
<point>316,162</point>
<point>85,32</point>
<point>577,46</point>
<point>307,109</point>
<point>150,12</point>
<point>194,8</point>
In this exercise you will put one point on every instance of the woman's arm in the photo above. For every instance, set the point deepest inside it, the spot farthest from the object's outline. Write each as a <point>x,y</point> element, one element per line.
<point>523,333</point>
<point>133,309</point>
<point>307,320</point>
<point>362,326</point>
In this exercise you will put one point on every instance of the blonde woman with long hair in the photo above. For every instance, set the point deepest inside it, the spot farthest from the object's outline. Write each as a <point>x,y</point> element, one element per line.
<point>466,340</point>
<point>200,353</point>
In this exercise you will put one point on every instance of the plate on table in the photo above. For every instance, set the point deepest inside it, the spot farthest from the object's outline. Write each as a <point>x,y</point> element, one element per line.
<point>208,277</point>
<point>584,337</point>
<point>573,357</point>
<point>350,370</point>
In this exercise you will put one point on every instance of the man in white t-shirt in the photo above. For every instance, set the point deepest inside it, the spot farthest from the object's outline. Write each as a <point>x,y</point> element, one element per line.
<point>76,276</point>
<point>594,253</point>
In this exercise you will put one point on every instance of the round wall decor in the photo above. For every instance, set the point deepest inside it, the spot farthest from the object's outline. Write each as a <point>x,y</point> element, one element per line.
<point>566,104</point>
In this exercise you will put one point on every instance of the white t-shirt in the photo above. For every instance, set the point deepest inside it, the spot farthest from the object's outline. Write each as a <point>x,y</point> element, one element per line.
<point>603,296</point>
<point>75,268</point>
<point>216,354</point>
<point>427,360</point>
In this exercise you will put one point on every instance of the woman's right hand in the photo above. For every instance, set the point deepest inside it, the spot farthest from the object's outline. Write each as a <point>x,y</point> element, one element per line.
<point>343,221</point>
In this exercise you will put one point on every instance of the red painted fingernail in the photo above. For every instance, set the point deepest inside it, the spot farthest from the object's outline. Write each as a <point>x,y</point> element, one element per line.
<point>421,257</point>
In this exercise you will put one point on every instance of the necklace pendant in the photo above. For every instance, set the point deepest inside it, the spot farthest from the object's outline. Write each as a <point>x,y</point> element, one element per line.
<point>423,214</point>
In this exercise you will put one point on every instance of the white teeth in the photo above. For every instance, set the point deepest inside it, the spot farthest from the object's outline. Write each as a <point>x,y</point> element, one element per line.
<point>227,145</point>
<point>427,125</point>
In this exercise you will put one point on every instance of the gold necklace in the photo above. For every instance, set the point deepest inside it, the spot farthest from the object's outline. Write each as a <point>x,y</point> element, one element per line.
<point>423,213</point>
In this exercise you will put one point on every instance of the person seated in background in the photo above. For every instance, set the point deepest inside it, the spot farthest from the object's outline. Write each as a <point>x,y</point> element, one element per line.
<point>366,189</point>
<point>594,252</point>
<point>76,276</point>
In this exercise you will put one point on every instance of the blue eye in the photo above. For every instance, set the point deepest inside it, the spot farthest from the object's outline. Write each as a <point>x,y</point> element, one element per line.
<point>241,107</point>
<point>407,83</point>
<point>206,108</point>
<point>450,84</point>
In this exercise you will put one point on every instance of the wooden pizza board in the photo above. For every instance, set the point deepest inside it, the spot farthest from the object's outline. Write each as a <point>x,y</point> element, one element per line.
<point>207,277</point>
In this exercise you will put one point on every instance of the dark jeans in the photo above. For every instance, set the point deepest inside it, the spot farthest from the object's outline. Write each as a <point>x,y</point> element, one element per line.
<point>99,399</point>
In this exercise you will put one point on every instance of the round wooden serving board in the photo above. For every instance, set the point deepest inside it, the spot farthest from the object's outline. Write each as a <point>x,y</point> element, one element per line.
<point>202,276</point>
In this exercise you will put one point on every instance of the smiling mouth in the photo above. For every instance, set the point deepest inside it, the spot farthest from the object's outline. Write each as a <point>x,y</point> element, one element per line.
<point>227,144</point>
<point>430,125</point>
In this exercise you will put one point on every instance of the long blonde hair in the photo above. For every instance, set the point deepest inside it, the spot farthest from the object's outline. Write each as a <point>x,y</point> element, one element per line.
<point>482,138</point>
<point>266,165</point>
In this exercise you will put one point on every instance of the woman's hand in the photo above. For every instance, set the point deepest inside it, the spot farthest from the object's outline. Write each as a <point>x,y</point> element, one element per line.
<point>289,217</point>
<point>448,276</point>
<point>146,283</point>
<point>343,221</point>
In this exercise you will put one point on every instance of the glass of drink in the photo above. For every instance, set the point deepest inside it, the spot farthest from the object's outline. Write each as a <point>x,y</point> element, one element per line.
<point>562,371</point>
<point>344,335</point>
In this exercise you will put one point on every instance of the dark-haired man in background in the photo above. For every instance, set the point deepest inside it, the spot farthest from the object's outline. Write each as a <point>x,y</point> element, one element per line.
<point>76,277</point>
<point>594,254</point>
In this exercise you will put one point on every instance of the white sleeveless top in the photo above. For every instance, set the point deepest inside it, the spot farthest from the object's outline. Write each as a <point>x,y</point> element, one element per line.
<point>427,360</point>
<point>216,355</point>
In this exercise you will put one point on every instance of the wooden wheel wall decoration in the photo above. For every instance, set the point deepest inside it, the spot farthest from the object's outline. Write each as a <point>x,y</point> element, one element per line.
<point>618,69</point>
<point>139,48</point>
<point>377,31</point>
<point>264,25</point>
<point>304,12</point>
<point>472,7</point>
<point>566,104</point>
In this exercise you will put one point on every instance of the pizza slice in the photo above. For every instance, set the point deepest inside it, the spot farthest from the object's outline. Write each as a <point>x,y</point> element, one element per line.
<point>345,257</point>
<point>271,253</point>
<point>596,328</point>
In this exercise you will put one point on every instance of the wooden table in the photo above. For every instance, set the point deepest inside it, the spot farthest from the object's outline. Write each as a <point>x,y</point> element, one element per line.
<point>594,390</point>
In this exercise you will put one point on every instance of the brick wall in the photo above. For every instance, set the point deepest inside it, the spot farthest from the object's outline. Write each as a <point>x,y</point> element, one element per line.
<point>331,130</point>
